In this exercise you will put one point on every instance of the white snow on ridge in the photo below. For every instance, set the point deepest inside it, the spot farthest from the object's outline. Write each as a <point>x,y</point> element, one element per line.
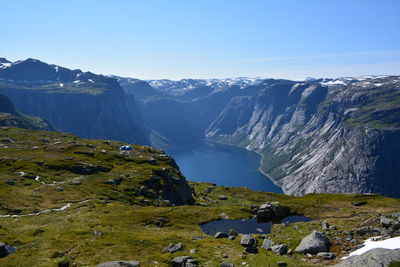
<point>5,65</point>
<point>335,82</point>
<point>391,243</point>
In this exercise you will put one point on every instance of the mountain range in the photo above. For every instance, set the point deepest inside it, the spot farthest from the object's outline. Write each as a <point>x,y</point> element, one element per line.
<point>318,135</point>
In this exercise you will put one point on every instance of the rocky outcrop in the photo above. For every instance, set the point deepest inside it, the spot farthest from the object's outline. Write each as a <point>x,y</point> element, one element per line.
<point>336,136</point>
<point>372,258</point>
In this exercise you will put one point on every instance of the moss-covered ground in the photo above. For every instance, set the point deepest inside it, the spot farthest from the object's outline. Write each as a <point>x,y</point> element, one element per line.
<point>126,221</point>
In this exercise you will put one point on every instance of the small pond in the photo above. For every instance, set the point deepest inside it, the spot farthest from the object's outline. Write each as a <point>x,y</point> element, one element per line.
<point>247,226</point>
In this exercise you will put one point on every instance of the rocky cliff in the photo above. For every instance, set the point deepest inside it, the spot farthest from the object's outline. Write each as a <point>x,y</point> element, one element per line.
<point>321,136</point>
<point>10,116</point>
<point>83,103</point>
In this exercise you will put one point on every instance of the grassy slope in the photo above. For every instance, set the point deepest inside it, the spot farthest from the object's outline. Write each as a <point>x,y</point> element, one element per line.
<point>128,234</point>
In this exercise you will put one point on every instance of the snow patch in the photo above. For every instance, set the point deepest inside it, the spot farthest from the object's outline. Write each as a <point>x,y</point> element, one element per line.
<point>335,82</point>
<point>391,243</point>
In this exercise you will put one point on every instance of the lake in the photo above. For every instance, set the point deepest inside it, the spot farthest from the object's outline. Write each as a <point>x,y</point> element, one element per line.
<point>223,165</point>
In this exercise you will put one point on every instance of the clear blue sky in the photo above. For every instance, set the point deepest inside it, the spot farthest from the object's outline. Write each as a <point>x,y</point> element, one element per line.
<point>206,38</point>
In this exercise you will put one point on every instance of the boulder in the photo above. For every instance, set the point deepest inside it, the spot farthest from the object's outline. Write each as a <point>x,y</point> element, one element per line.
<point>325,226</point>
<point>184,261</point>
<point>3,250</point>
<point>265,213</point>
<point>248,241</point>
<point>120,264</point>
<point>227,264</point>
<point>220,235</point>
<point>271,210</point>
<point>281,263</point>
<point>172,248</point>
<point>386,222</point>
<point>374,257</point>
<point>314,243</point>
<point>281,249</point>
<point>267,244</point>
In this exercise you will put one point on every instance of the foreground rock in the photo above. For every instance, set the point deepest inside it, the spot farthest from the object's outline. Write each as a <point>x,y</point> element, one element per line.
<point>184,261</point>
<point>248,241</point>
<point>267,244</point>
<point>120,264</point>
<point>172,248</point>
<point>314,243</point>
<point>281,249</point>
<point>375,257</point>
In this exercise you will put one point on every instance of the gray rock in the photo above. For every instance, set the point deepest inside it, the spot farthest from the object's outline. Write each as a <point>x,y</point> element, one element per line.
<point>172,248</point>
<point>368,230</point>
<point>193,251</point>
<point>248,241</point>
<point>281,249</point>
<point>281,263</point>
<point>3,250</point>
<point>120,264</point>
<point>220,235</point>
<point>97,233</point>
<point>227,264</point>
<point>327,255</point>
<point>231,237</point>
<point>222,197</point>
<point>184,261</point>
<point>271,210</point>
<point>325,226</point>
<point>265,213</point>
<point>314,243</point>
<point>267,243</point>
<point>378,257</point>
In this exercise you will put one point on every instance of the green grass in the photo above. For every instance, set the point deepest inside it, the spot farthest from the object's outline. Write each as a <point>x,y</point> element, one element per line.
<point>126,222</point>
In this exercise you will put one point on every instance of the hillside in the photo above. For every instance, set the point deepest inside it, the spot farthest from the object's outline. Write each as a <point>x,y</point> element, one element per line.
<point>66,201</point>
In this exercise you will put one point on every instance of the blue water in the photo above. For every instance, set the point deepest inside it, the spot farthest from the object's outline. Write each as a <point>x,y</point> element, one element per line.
<point>249,226</point>
<point>223,165</point>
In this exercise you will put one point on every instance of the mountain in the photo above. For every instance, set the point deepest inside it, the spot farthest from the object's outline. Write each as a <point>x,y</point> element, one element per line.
<point>181,111</point>
<point>83,103</point>
<point>332,135</point>
<point>307,131</point>
<point>10,116</point>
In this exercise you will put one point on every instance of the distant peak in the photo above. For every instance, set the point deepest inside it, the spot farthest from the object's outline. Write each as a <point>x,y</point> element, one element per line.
<point>4,60</point>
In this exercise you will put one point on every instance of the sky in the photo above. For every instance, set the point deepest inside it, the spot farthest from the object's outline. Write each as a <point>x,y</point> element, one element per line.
<point>175,39</point>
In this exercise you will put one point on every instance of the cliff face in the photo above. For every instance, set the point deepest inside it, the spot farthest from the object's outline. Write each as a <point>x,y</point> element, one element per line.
<point>315,136</point>
<point>10,116</point>
<point>89,105</point>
